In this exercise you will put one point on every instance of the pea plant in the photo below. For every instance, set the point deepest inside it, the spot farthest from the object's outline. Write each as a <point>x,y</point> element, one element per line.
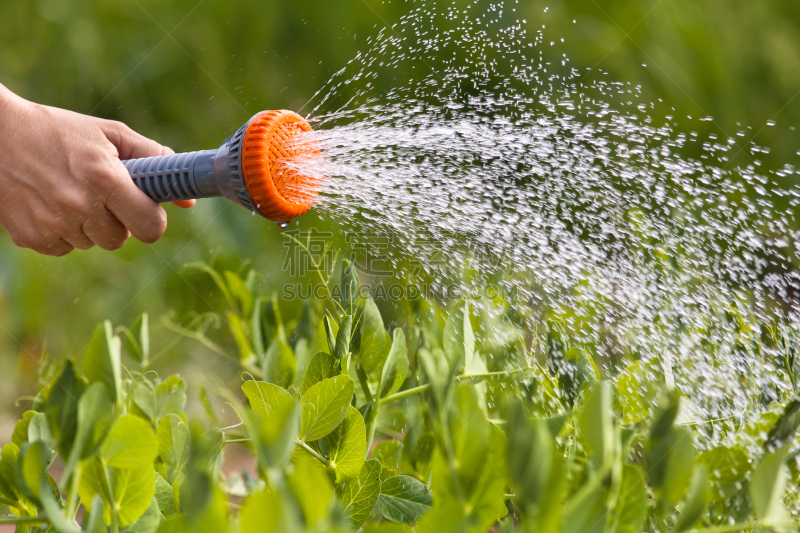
<point>460,421</point>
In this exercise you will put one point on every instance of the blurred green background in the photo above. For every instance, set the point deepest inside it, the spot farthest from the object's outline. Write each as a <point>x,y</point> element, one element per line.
<point>189,72</point>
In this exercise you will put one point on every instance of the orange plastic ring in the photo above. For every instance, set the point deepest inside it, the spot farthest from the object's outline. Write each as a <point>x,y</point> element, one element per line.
<point>274,144</point>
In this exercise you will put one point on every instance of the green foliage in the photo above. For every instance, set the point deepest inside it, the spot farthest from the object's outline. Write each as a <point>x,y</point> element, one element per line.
<point>539,444</point>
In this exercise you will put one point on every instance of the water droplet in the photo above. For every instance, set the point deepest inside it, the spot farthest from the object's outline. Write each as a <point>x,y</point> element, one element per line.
<point>282,224</point>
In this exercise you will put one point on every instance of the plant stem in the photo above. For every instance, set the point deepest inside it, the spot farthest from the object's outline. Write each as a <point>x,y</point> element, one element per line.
<point>362,378</point>
<point>422,388</point>
<point>23,520</point>
<point>72,496</point>
<point>313,452</point>
<point>9,502</point>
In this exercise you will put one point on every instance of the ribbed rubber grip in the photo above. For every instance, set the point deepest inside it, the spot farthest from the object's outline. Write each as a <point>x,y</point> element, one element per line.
<point>166,178</point>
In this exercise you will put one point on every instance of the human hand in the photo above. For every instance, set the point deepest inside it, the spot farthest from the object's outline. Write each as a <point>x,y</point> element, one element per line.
<point>62,184</point>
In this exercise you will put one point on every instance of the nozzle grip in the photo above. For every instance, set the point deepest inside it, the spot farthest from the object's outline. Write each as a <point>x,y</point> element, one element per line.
<point>169,178</point>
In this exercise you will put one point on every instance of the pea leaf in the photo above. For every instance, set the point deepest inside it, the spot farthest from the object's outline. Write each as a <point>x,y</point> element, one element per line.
<point>725,465</point>
<point>343,338</point>
<point>330,333</point>
<point>373,349</point>
<point>458,340</point>
<point>95,417</point>
<point>268,512</point>
<point>130,444</point>
<point>242,295</point>
<point>166,398</point>
<point>132,487</point>
<point>102,359</point>
<point>173,441</point>
<point>32,462</point>
<point>346,445</point>
<point>164,496</point>
<point>311,487</point>
<point>530,455</point>
<point>322,366</point>
<point>148,522</point>
<point>61,407</point>
<point>767,487</point>
<point>404,499</point>
<point>8,474</point>
<point>275,434</point>
<point>238,328</point>
<point>670,460</point>
<point>264,397</point>
<point>20,435</point>
<point>360,494</point>
<point>324,407</point>
<point>280,364</point>
<point>349,286</point>
<point>585,511</point>
<point>597,425</point>
<point>696,499</point>
<point>395,369</point>
<point>449,517</point>
<point>389,453</point>
<point>632,503</point>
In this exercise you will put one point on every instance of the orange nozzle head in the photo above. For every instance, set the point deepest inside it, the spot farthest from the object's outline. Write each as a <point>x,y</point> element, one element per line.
<point>273,145</point>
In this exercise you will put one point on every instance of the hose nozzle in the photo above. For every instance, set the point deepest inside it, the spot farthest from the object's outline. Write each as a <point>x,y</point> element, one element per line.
<point>258,167</point>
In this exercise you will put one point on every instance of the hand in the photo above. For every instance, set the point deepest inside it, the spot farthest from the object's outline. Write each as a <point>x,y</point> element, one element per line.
<point>62,184</point>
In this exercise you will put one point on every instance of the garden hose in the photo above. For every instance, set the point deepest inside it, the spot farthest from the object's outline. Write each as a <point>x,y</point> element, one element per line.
<point>255,168</point>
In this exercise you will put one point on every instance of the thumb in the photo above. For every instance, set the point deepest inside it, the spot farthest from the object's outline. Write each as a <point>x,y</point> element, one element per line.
<point>129,144</point>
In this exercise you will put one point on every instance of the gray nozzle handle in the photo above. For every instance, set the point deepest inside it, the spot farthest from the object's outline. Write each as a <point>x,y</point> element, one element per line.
<point>168,178</point>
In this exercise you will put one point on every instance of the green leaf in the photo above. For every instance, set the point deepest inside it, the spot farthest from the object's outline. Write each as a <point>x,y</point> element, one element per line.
<point>280,364</point>
<point>597,424</point>
<point>240,292</point>
<point>268,512</point>
<point>576,372</point>
<point>670,460</point>
<point>480,452</point>
<point>585,511</point>
<point>95,417</point>
<point>148,522</point>
<point>275,435</point>
<point>238,326</point>
<point>39,431</point>
<point>343,338</point>
<point>8,472</point>
<point>530,455</point>
<point>20,435</point>
<point>632,503</point>
<point>386,527</point>
<point>696,499</point>
<point>449,517</point>
<point>322,366</point>
<point>395,369</point>
<point>324,407</point>
<point>373,349</point>
<point>330,334</point>
<point>173,441</point>
<point>136,340</point>
<point>53,510</point>
<point>725,465</point>
<point>166,398</point>
<point>389,453</point>
<point>767,487</point>
<point>350,287</point>
<point>133,487</point>
<point>346,446</point>
<point>458,341</point>
<point>32,462</point>
<point>404,499</point>
<point>264,397</point>
<point>130,444</point>
<point>311,487</point>
<point>102,359</point>
<point>360,494</point>
<point>61,407</point>
<point>164,496</point>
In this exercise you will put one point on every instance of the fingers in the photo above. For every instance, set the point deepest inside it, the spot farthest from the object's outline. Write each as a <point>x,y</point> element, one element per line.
<point>57,249</point>
<point>185,204</point>
<point>105,230</point>
<point>131,145</point>
<point>143,217</point>
<point>77,239</point>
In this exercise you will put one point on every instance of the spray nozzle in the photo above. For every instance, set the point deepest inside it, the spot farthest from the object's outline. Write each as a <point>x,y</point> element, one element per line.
<point>258,167</point>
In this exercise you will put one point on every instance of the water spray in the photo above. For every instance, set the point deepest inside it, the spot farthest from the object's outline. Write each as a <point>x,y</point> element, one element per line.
<point>253,168</point>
